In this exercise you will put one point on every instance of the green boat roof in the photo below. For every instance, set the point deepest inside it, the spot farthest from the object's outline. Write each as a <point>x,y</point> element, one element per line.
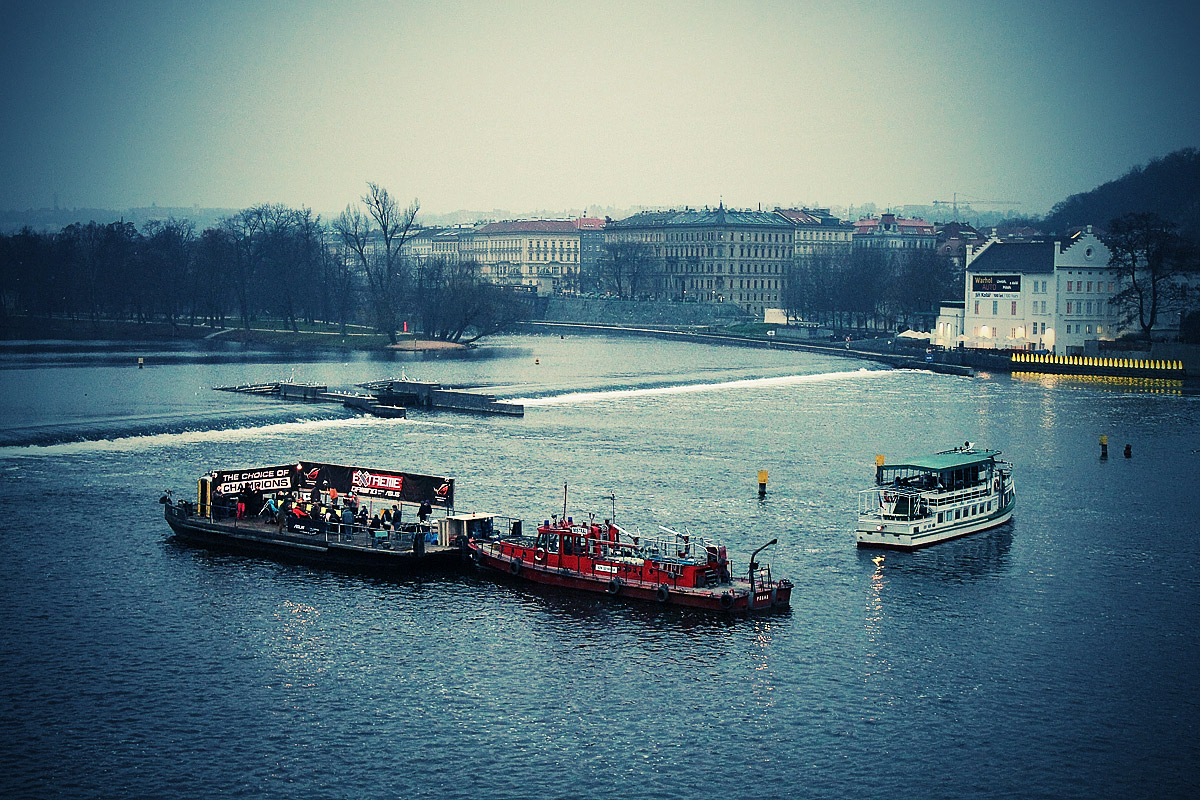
<point>943,461</point>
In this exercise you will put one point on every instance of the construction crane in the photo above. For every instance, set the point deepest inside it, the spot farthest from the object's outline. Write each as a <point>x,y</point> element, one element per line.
<point>970,203</point>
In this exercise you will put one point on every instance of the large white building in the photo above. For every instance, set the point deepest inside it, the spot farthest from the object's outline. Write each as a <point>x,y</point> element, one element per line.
<point>1034,295</point>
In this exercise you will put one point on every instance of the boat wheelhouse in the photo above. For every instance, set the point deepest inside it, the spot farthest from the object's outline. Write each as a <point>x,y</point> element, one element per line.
<point>670,568</point>
<point>920,501</point>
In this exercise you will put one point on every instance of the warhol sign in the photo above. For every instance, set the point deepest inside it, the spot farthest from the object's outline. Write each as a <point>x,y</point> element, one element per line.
<point>996,284</point>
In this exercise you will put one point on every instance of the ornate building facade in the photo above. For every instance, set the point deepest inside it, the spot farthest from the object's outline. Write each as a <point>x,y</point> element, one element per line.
<point>892,233</point>
<point>718,255</point>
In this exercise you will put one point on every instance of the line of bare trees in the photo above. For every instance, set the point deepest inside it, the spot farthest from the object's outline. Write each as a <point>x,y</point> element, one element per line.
<point>862,288</point>
<point>265,262</point>
<point>870,287</point>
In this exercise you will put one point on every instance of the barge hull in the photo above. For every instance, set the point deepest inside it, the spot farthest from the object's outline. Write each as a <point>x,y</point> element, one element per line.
<point>308,549</point>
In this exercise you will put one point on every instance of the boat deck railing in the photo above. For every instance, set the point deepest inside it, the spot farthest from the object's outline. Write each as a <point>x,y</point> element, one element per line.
<point>400,537</point>
<point>920,503</point>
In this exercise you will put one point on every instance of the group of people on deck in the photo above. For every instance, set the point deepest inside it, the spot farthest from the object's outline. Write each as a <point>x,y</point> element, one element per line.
<point>327,511</point>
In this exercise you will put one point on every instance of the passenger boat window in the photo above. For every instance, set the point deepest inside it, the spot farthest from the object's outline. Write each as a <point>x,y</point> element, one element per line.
<point>940,516</point>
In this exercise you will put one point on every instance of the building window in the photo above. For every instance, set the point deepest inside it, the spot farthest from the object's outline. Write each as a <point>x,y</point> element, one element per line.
<point>995,308</point>
<point>1068,309</point>
<point>977,308</point>
<point>1014,308</point>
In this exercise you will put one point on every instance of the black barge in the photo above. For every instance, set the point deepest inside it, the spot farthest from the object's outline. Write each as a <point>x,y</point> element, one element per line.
<point>326,514</point>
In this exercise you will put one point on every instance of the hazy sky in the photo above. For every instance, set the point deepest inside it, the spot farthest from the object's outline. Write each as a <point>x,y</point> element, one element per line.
<point>560,105</point>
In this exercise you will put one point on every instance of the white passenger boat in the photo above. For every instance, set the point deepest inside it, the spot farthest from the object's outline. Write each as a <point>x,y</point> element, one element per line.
<point>917,502</point>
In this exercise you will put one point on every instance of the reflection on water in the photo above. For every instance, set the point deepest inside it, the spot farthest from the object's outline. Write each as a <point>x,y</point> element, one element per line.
<point>980,555</point>
<point>1028,644</point>
<point>1105,383</point>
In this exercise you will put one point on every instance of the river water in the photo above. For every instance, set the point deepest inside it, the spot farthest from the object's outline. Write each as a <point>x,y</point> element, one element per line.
<point>1052,657</point>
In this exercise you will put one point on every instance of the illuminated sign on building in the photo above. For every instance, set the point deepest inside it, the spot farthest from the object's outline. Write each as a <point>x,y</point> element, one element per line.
<point>1004,284</point>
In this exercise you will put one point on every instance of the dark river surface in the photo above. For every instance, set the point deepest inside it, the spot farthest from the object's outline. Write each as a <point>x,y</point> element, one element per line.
<point>1053,657</point>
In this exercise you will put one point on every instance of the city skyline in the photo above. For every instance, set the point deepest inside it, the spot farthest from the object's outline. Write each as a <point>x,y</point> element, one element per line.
<point>522,106</point>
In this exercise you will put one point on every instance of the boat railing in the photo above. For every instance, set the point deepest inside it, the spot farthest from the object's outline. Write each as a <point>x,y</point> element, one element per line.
<point>884,502</point>
<point>395,537</point>
<point>671,547</point>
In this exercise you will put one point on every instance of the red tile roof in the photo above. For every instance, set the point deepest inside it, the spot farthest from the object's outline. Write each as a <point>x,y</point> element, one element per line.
<point>904,225</point>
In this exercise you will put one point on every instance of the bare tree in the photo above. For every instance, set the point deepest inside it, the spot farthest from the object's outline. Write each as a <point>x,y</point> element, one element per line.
<point>376,236</point>
<point>456,304</point>
<point>1150,257</point>
<point>625,266</point>
<point>245,231</point>
<point>167,258</point>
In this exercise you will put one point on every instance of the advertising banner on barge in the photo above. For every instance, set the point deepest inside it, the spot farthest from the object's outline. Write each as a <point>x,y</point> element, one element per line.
<point>259,479</point>
<point>377,484</point>
<point>306,476</point>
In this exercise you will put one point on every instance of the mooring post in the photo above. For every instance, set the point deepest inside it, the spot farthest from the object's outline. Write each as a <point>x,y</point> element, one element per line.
<point>1104,446</point>
<point>762,483</point>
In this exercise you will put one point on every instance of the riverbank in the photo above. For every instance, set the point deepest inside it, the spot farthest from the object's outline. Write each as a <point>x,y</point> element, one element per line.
<point>265,334</point>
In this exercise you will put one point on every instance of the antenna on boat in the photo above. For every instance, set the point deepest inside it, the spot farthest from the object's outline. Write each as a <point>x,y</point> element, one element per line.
<point>564,501</point>
<point>611,496</point>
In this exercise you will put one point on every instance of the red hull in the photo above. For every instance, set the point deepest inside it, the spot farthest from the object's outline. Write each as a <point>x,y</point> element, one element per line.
<point>623,580</point>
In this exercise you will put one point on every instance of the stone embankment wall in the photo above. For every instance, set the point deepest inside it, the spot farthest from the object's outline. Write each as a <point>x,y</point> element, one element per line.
<point>657,313</point>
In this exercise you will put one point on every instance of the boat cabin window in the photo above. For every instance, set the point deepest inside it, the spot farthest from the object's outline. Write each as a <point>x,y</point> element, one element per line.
<point>573,544</point>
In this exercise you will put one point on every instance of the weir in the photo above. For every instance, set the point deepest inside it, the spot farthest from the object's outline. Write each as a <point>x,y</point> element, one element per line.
<point>384,398</point>
<point>433,395</point>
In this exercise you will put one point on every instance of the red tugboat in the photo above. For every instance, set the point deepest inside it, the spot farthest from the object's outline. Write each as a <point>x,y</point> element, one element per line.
<point>670,569</point>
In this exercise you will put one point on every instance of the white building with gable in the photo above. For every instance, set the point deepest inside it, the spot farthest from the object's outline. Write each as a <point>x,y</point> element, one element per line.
<point>1034,295</point>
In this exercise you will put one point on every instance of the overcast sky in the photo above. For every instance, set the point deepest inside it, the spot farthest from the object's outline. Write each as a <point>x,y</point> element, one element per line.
<point>557,106</point>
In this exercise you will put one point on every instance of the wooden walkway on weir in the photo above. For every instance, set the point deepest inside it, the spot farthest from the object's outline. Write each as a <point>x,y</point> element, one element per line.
<point>384,398</point>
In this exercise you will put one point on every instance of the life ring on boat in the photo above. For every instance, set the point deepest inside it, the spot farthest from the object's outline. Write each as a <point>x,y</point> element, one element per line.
<point>614,586</point>
<point>662,593</point>
<point>539,555</point>
<point>726,600</point>
<point>514,566</point>
<point>888,497</point>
